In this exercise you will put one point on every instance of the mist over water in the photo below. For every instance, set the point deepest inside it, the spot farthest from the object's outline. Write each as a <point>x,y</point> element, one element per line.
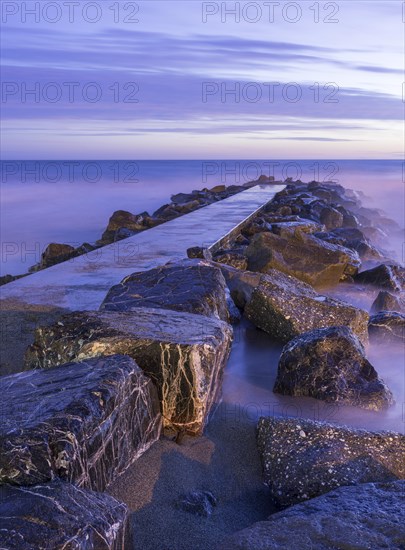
<point>71,201</point>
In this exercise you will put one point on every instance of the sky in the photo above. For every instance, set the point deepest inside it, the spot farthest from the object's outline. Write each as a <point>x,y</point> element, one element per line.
<point>192,80</point>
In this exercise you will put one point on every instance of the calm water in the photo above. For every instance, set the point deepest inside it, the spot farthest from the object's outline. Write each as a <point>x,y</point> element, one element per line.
<point>71,201</point>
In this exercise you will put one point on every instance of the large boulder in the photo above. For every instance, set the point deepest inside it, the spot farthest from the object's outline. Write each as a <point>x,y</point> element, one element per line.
<point>303,256</point>
<point>385,301</point>
<point>387,326</point>
<point>133,223</point>
<point>330,364</point>
<point>195,286</point>
<point>390,277</point>
<point>369,515</point>
<point>55,253</point>
<point>184,354</point>
<point>61,515</point>
<point>83,422</point>
<point>303,459</point>
<point>285,307</point>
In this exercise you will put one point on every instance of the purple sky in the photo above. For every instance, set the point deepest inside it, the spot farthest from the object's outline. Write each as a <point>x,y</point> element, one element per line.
<point>176,66</point>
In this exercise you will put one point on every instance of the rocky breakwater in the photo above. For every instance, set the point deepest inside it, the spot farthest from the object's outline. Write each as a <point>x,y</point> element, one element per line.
<point>169,320</point>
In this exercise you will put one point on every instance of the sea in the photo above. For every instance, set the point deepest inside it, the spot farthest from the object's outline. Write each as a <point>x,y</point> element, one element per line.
<point>71,201</point>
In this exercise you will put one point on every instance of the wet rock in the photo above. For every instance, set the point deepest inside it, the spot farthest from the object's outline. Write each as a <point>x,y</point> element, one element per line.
<point>120,220</point>
<point>61,515</point>
<point>387,326</point>
<point>369,515</point>
<point>199,252</point>
<point>285,307</point>
<point>84,422</point>
<point>166,212</point>
<point>192,285</point>
<point>390,277</point>
<point>235,258</point>
<point>283,229</point>
<point>200,503</point>
<point>183,354</point>
<point>330,364</point>
<point>386,301</point>
<point>241,284</point>
<point>303,256</point>
<point>303,459</point>
<point>5,279</point>
<point>56,253</point>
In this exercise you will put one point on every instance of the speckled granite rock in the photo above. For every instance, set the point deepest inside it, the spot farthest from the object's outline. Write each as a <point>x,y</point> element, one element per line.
<point>84,422</point>
<point>193,285</point>
<point>303,256</point>
<point>387,326</point>
<point>369,515</point>
<point>184,354</point>
<point>283,228</point>
<point>303,459</point>
<point>391,277</point>
<point>60,515</point>
<point>286,307</point>
<point>330,364</point>
<point>385,301</point>
<point>235,258</point>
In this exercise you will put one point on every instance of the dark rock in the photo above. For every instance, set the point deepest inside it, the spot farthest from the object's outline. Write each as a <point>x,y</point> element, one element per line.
<point>330,217</point>
<point>61,515</point>
<point>285,307</point>
<point>369,515</point>
<point>187,207</point>
<point>303,256</point>
<point>303,459</point>
<point>193,285</point>
<point>234,258</point>
<point>56,253</point>
<point>387,326</point>
<point>182,198</point>
<point>5,279</point>
<point>386,301</point>
<point>283,229</point>
<point>183,354</point>
<point>121,219</point>
<point>330,364</point>
<point>390,277</point>
<point>240,283</point>
<point>200,503</point>
<point>83,422</point>
<point>199,252</point>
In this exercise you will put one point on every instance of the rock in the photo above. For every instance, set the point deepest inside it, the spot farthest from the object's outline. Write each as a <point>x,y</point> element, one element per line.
<point>218,189</point>
<point>387,326</point>
<point>61,515</point>
<point>193,285</point>
<point>240,283</point>
<point>369,515</point>
<point>183,354</point>
<point>199,252</point>
<point>182,198</point>
<point>390,277</point>
<point>303,256</point>
<point>303,459</point>
<point>5,279</point>
<point>187,207</point>
<point>284,307</point>
<point>234,258</point>
<point>84,422</point>
<point>200,503</point>
<point>330,217</point>
<point>55,253</point>
<point>121,219</point>
<point>283,229</point>
<point>166,212</point>
<point>386,301</point>
<point>330,364</point>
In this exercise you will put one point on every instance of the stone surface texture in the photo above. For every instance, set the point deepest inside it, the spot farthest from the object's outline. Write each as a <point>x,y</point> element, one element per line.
<point>193,285</point>
<point>286,307</point>
<point>83,422</point>
<point>369,515</point>
<point>184,354</point>
<point>330,364</point>
<point>303,459</point>
<point>387,326</point>
<point>59,515</point>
